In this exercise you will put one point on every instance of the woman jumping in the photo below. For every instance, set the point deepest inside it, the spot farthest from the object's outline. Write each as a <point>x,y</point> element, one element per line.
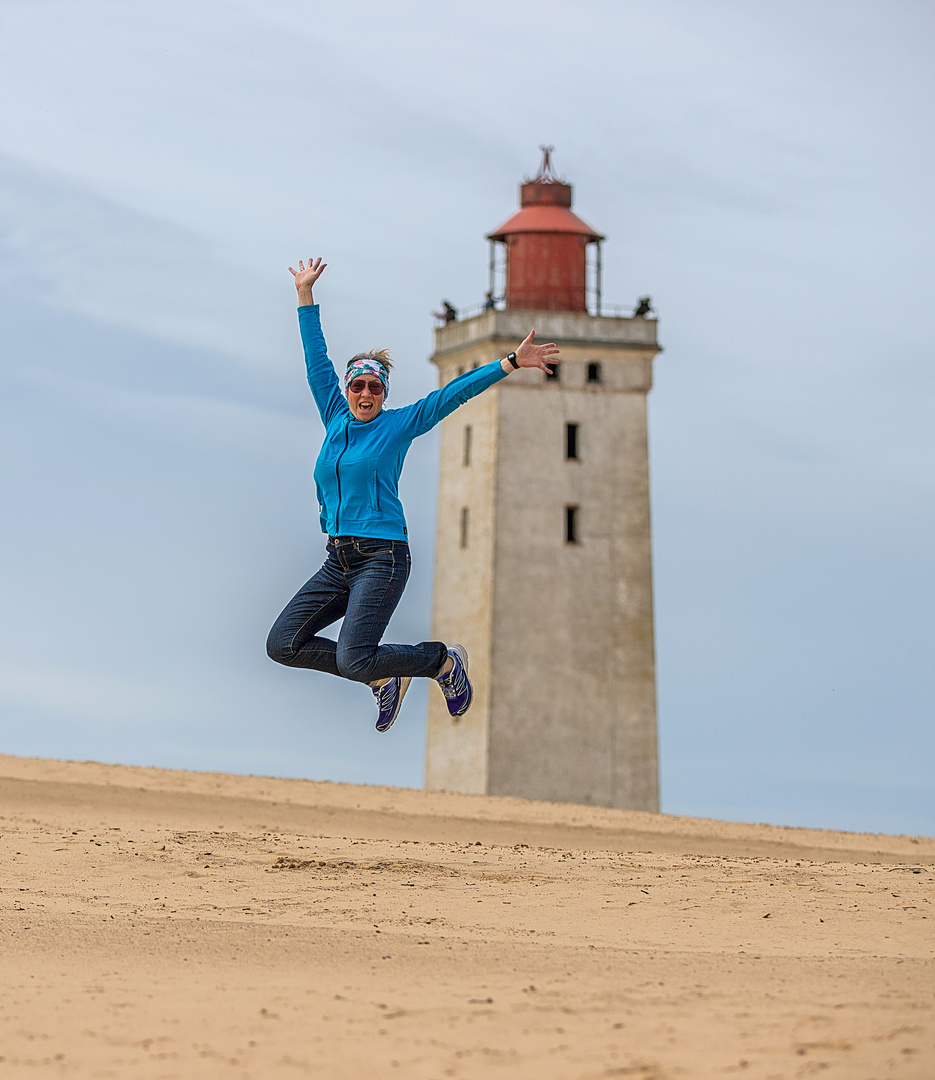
<point>357,476</point>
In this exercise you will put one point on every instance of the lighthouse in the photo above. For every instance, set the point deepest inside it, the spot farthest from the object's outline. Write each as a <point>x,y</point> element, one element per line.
<point>543,558</point>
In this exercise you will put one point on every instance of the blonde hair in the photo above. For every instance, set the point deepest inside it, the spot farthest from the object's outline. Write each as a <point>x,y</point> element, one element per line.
<point>381,356</point>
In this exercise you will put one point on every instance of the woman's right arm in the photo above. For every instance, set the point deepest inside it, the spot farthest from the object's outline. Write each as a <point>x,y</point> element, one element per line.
<point>321,374</point>
<point>305,278</point>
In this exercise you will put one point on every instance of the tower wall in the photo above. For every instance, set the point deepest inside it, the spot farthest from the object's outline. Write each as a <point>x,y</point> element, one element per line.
<point>560,634</point>
<point>463,606</point>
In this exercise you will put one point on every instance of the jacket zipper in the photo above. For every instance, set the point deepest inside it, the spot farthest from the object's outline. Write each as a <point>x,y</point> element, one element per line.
<point>337,476</point>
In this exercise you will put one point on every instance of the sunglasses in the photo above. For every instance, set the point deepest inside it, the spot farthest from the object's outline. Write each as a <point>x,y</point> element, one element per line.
<point>356,386</point>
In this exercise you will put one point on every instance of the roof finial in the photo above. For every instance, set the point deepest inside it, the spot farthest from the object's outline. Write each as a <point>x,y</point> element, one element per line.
<point>546,175</point>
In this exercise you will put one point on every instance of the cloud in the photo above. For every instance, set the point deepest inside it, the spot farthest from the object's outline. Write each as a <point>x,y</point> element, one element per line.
<point>90,255</point>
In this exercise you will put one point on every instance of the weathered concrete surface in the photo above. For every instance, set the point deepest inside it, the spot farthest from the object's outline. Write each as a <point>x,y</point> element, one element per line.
<point>560,635</point>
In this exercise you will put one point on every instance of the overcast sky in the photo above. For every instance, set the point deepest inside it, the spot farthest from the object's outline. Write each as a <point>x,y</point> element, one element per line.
<point>763,170</point>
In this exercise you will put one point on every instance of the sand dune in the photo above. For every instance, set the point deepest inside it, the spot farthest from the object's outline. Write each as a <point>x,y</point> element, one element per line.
<point>165,924</point>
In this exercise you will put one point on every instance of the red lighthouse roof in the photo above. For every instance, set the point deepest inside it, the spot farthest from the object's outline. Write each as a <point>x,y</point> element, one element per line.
<point>545,203</point>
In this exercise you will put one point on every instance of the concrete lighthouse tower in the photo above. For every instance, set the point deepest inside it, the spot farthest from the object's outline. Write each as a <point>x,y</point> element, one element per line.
<point>543,559</point>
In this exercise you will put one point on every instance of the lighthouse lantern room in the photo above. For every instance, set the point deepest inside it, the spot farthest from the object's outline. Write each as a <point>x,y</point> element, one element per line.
<point>542,250</point>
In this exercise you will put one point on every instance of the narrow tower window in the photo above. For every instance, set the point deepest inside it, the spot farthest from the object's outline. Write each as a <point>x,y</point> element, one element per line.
<point>594,373</point>
<point>464,526</point>
<point>571,524</point>
<point>466,448</point>
<point>571,442</point>
<point>553,375</point>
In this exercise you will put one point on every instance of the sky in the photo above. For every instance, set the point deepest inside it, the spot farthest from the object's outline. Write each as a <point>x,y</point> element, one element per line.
<point>762,171</point>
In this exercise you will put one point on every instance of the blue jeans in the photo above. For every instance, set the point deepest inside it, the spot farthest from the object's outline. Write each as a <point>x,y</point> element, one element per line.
<point>362,580</point>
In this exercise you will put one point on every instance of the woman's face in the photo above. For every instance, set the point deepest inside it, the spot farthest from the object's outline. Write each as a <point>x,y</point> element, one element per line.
<point>367,402</point>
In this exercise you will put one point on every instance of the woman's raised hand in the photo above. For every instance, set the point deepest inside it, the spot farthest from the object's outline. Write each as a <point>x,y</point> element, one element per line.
<point>306,276</point>
<point>530,355</point>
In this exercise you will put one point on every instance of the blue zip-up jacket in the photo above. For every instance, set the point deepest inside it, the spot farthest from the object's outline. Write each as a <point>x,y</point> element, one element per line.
<point>357,472</point>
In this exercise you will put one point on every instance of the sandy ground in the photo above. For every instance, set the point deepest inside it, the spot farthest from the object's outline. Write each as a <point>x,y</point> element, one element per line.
<point>172,924</point>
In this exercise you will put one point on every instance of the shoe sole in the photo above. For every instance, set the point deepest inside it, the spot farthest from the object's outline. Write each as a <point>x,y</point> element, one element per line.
<point>463,657</point>
<point>404,682</point>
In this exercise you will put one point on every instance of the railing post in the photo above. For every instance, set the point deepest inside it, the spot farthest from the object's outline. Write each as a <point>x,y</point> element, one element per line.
<point>492,287</point>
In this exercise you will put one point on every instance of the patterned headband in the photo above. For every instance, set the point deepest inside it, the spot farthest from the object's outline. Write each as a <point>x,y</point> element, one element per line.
<point>368,367</point>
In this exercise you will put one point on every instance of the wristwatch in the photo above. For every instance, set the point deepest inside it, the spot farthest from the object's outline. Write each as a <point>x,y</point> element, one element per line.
<point>512,358</point>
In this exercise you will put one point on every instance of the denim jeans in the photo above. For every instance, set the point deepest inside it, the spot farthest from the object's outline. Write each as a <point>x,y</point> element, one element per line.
<point>362,580</point>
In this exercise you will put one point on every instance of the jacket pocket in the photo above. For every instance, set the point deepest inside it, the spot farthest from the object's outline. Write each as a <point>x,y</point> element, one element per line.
<point>374,493</point>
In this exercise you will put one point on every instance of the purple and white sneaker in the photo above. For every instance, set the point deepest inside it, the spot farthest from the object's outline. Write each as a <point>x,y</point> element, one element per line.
<point>389,699</point>
<point>456,686</point>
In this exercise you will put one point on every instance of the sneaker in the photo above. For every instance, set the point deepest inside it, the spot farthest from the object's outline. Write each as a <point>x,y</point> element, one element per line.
<point>389,699</point>
<point>456,686</point>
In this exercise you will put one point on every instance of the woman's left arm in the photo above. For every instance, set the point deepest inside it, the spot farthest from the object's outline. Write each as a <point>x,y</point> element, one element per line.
<point>423,415</point>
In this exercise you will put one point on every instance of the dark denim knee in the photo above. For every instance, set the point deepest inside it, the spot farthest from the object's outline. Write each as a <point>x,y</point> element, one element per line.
<point>356,664</point>
<point>278,648</point>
